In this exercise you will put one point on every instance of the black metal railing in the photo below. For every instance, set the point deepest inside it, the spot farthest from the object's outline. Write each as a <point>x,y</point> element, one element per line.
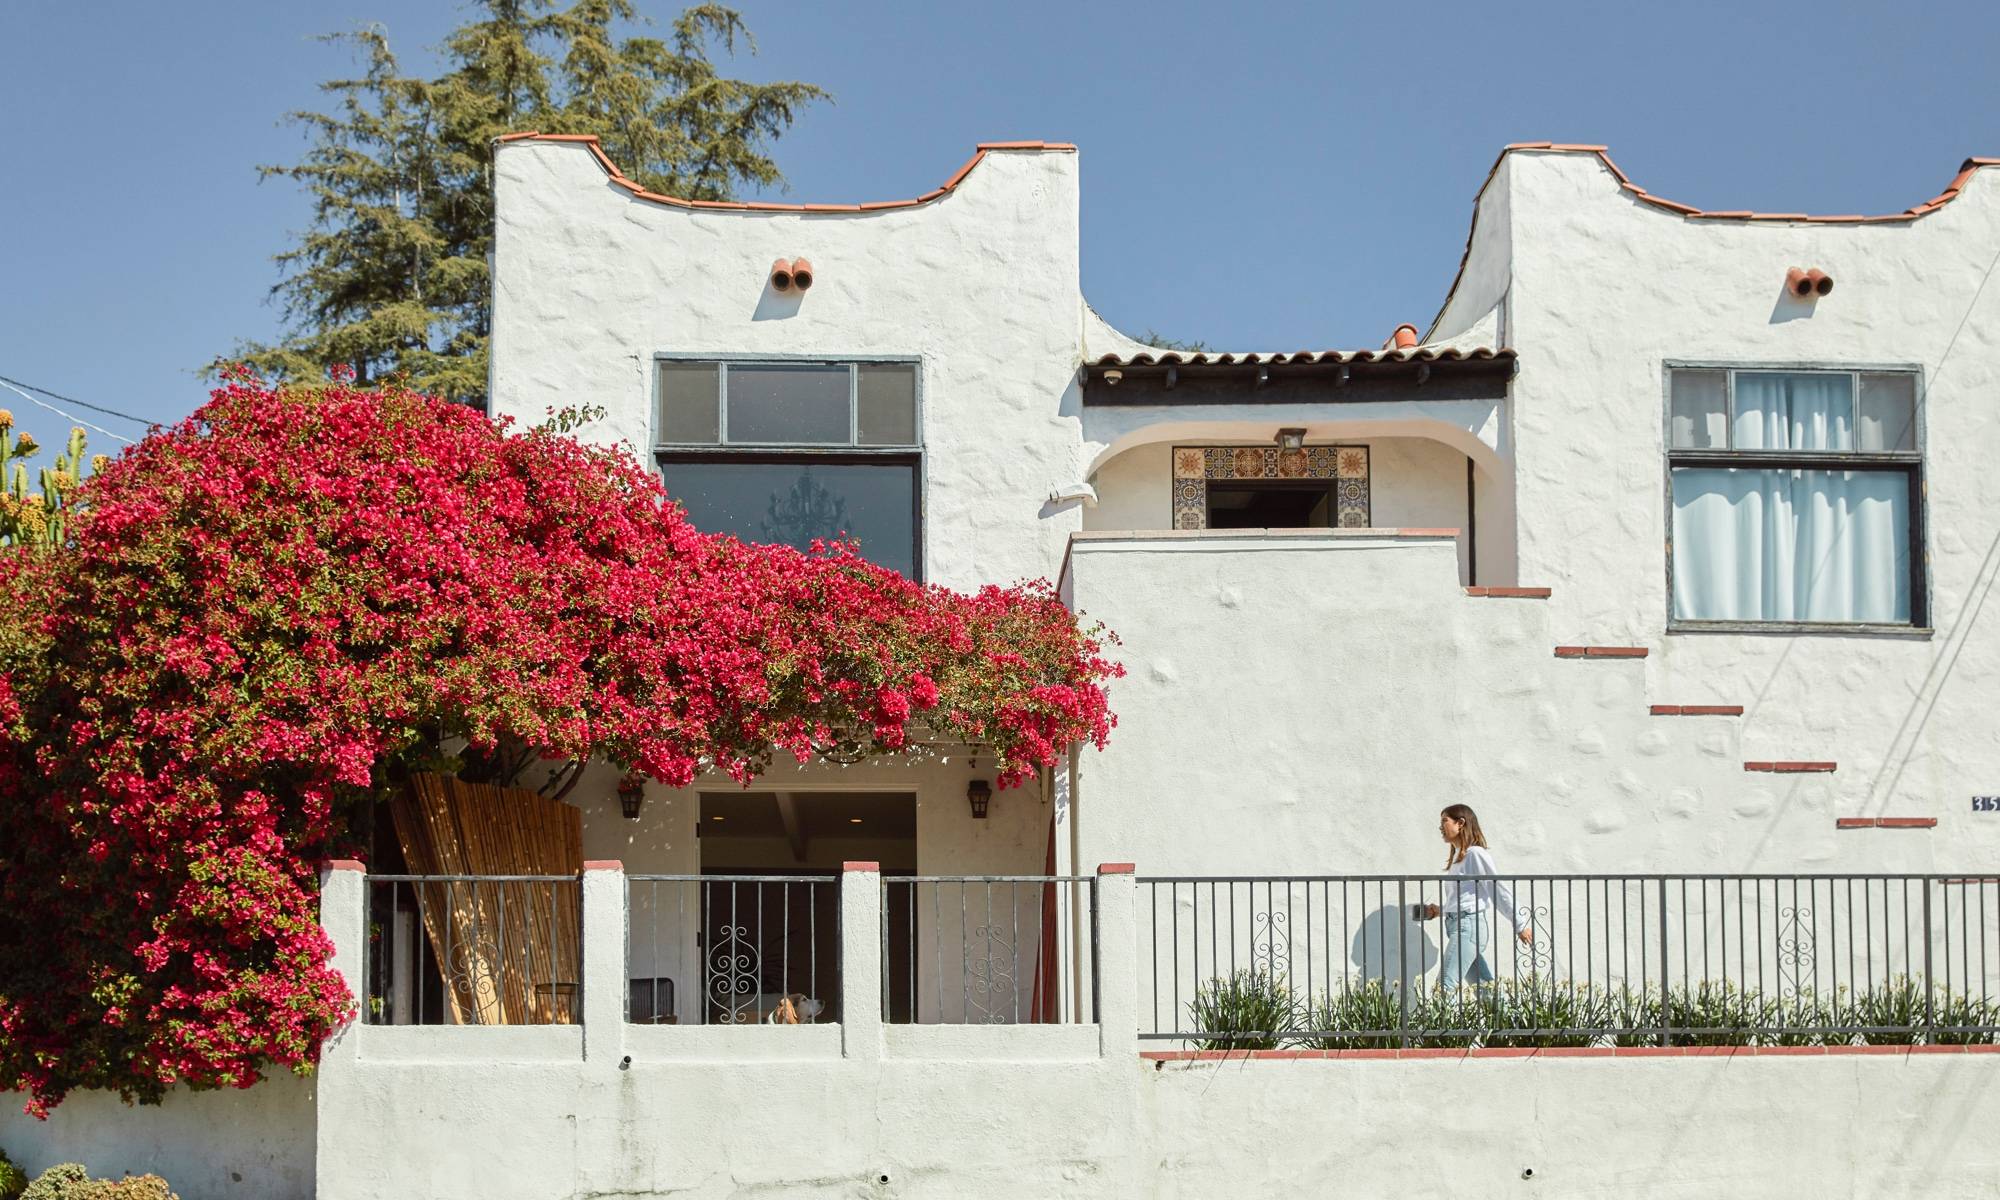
<point>1370,961</point>
<point>989,950</point>
<point>733,949</point>
<point>474,950</point>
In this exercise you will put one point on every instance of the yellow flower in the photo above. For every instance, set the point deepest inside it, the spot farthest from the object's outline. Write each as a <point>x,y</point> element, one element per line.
<point>26,444</point>
<point>6,419</point>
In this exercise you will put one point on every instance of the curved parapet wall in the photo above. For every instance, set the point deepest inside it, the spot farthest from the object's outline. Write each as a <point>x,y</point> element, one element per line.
<point>619,179</point>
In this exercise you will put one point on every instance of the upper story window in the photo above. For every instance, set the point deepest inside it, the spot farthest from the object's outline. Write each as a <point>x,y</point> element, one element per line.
<point>793,451</point>
<point>1796,497</point>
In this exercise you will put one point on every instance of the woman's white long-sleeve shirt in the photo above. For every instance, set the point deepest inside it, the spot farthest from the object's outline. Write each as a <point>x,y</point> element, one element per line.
<point>1482,890</point>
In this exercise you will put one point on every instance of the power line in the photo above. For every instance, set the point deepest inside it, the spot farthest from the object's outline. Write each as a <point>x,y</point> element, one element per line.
<point>112,412</point>
<point>70,417</point>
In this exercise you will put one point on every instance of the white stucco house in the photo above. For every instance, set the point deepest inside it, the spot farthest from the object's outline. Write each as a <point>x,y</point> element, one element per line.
<point>1668,547</point>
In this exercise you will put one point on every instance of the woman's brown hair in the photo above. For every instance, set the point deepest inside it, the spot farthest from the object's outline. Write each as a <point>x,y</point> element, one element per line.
<point>1469,833</point>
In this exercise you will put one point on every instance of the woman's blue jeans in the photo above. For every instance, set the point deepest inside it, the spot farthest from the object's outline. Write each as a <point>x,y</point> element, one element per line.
<point>1464,951</point>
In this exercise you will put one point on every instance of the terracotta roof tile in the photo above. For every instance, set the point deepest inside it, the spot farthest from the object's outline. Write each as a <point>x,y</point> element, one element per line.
<point>618,177</point>
<point>1303,357</point>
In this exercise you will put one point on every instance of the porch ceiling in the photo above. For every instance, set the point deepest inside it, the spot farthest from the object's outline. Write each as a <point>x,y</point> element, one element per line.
<point>819,814</point>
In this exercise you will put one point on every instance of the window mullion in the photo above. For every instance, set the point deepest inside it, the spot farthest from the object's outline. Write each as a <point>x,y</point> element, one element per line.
<point>722,404</point>
<point>1729,410</point>
<point>853,404</point>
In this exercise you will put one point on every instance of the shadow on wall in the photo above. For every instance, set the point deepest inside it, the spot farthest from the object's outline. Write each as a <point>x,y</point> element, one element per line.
<point>774,305</point>
<point>1389,945</point>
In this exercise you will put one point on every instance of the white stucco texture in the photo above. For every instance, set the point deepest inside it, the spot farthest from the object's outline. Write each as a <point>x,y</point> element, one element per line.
<point>590,283</point>
<point>1603,291</point>
<point>1305,703</point>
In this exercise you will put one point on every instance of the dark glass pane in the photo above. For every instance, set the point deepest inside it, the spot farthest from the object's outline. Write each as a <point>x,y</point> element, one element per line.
<point>688,403</point>
<point>777,405</point>
<point>1269,506</point>
<point>1700,410</point>
<point>793,503</point>
<point>1888,413</point>
<point>887,397</point>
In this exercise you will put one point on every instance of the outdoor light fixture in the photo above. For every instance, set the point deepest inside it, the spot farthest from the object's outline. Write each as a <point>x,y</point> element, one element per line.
<point>631,794</point>
<point>1291,439</point>
<point>980,793</point>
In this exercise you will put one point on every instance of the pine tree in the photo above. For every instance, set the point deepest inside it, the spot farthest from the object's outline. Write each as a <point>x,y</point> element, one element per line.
<point>392,276</point>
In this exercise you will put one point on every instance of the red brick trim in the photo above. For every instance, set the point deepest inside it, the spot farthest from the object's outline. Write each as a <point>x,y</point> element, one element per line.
<point>1437,533</point>
<point>602,864</point>
<point>1887,823</point>
<point>1601,652</point>
<point>1791,768</point>
<point>1511,593</point>
<point>346,864</point>
<point>1449,1052</point>
<point>1117,868</point>
<point>1697,710</point>
<point>861,866</point>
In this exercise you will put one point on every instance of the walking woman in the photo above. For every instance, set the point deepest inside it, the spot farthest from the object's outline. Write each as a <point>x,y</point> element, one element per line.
<point>1468,907</point>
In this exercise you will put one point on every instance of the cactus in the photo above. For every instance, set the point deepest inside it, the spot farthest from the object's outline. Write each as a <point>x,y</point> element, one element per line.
<point>39,517</point>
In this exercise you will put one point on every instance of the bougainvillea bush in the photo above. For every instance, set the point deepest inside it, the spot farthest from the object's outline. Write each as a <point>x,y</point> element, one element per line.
<point>265,617</point>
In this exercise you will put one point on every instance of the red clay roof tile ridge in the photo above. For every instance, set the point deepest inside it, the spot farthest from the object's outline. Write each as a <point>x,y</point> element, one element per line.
<point>1642,196</point>
<point>619,178</point>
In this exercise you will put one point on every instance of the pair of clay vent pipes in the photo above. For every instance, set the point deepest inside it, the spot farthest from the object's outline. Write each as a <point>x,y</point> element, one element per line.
<point>1808,284</point>
<point>792,273</point>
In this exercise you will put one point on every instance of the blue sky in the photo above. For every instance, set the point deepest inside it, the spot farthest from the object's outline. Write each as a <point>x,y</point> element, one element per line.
<point>1254,175</point>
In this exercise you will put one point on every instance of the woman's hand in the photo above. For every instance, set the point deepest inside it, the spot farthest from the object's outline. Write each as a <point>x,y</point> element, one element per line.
<point>1527,936</point>
<point>1430,912</point>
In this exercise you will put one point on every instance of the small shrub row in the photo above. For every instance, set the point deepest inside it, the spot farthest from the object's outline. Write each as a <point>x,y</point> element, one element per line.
<point>1251,1010</point>
<point>69,1181</point>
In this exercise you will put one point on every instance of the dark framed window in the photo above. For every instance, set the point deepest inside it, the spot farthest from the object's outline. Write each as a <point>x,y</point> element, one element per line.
<point>791,452</point>
<point>1795,498</point>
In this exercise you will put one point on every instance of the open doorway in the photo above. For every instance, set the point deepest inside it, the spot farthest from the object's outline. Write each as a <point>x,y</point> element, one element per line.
<point>1271,504</point>
<point>768,925</point>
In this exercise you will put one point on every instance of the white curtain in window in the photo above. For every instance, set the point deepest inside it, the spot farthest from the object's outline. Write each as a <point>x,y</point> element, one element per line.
<point>1786,545</point>
<point>1776,411</point>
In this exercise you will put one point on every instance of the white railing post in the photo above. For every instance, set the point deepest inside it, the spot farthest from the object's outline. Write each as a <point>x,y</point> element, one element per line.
<point>861,960</point>
<point>604,973</point>
<point>343,913</point>
<point>1118,961</point>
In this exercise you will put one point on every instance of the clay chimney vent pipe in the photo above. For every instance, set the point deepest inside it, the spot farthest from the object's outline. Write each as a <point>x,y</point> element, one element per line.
<point>781,275</point>
<point>1797,283</point>
<point>1404,337</point>
<point>1822,283</point>
<point>802,274</point>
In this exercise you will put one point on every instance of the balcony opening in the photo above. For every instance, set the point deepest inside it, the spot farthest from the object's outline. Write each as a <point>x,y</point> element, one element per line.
<point>1271,504</point>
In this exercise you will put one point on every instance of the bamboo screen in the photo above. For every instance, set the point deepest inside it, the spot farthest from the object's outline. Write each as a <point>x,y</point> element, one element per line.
<point>509,952</point>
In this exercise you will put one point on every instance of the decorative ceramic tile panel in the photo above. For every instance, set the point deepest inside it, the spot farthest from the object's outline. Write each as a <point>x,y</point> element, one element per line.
<point>1194,466</point>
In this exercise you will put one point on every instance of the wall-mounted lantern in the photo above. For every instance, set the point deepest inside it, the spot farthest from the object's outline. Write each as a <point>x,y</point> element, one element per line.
<point>1290,440</point>
<point>980,793</point>
<point>631,794</point>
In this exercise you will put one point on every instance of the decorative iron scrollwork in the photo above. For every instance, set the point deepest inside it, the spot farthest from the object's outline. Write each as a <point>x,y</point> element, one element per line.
<point>989,971</point>
<point>1270,944</point>
<point>735,972</point>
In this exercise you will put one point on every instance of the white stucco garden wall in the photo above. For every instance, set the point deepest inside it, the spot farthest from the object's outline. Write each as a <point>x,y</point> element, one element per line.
<point>1604,290</point>
<point>235,1144</point>
<point>1011,1111</point>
